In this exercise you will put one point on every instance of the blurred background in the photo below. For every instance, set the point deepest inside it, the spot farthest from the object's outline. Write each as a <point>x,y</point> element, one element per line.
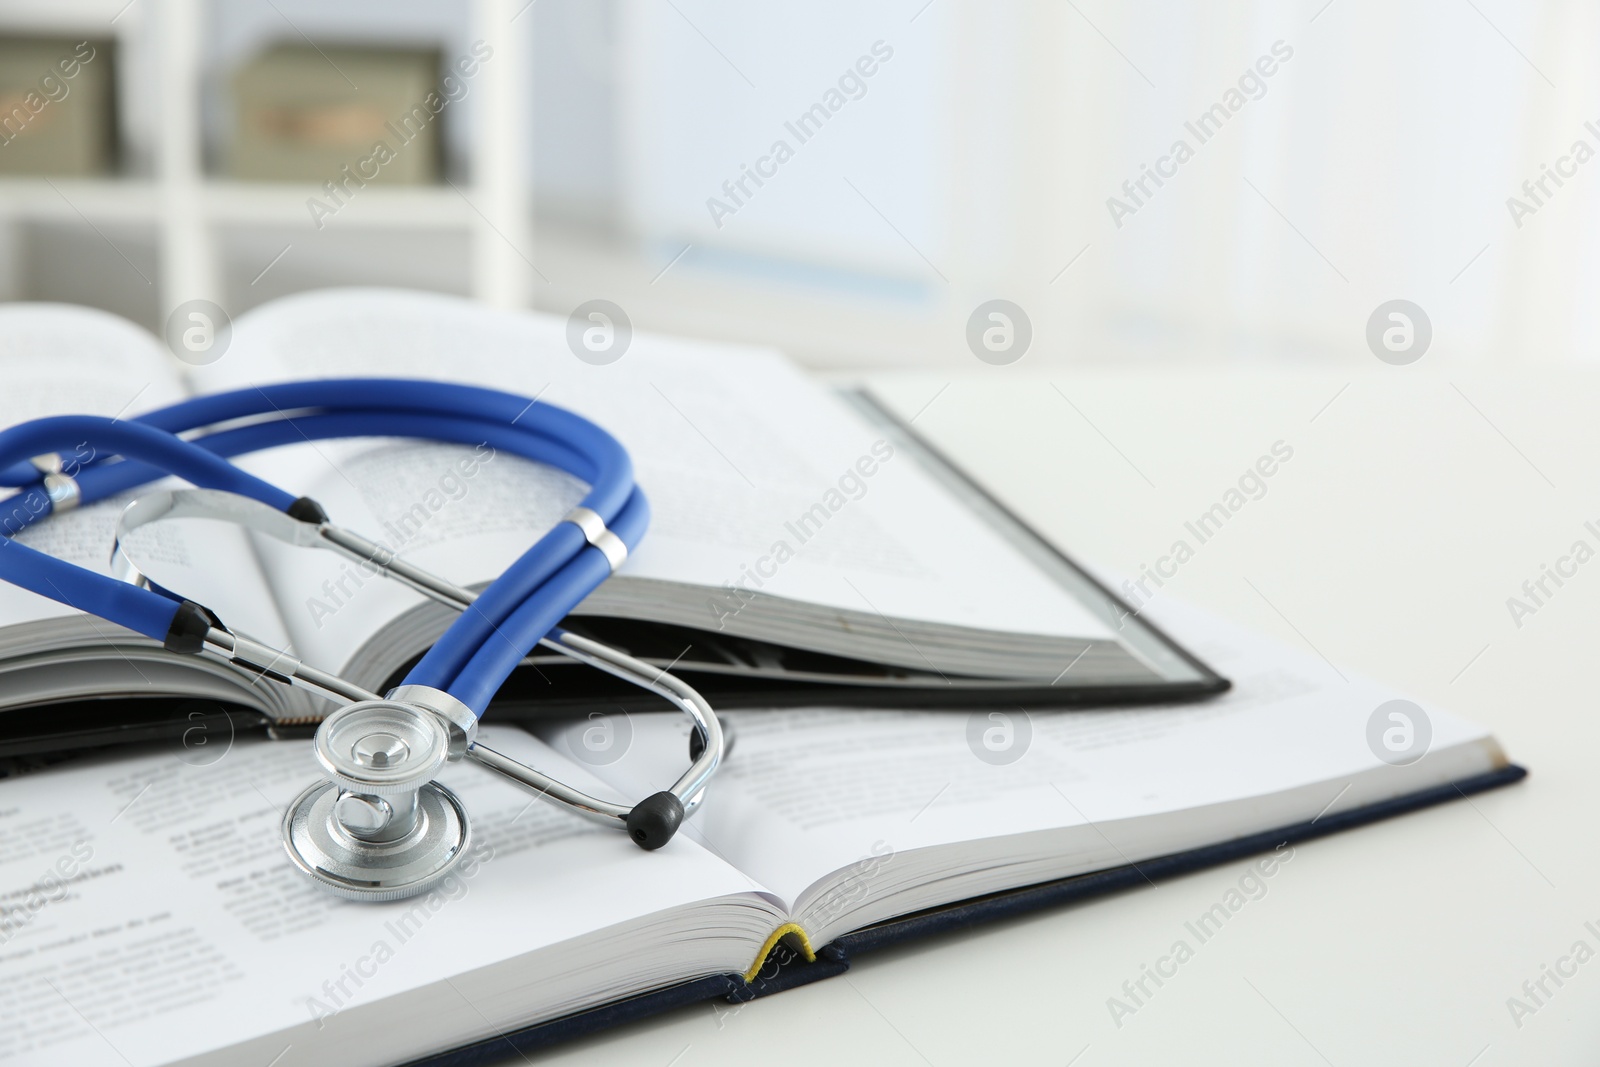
<point>845,181</point>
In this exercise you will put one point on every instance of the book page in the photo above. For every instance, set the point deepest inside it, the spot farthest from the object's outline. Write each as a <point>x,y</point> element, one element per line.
<point>147,912</point>
<point>807,794</point>
<point>755,474</point>
<point>58,359</point>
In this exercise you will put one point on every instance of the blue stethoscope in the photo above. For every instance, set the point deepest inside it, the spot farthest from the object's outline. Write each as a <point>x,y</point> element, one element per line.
<point>379,827</point>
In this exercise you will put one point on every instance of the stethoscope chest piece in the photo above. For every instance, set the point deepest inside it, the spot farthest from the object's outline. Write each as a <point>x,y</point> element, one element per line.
<point>379,828</point>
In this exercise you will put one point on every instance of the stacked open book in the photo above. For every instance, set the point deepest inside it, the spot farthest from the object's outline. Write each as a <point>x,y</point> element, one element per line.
<point>804,546</point>
<point>147,914</point>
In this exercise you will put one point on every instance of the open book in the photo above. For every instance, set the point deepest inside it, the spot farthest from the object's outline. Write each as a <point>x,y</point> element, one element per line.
<point>147,914</point>
<point>804,547</point>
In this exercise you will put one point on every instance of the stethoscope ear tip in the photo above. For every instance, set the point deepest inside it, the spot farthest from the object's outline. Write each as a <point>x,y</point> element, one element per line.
<point>654,820</point>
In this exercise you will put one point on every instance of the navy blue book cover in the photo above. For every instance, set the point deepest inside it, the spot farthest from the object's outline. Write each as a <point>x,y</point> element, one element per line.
<point>785,967</point>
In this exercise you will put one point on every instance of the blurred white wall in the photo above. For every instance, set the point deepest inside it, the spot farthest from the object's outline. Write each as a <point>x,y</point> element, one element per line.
<point>1374,163</point>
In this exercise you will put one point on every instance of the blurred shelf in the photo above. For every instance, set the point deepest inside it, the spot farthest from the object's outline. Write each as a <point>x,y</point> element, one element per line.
<point>130,200</point>
<point>162,44</point>
<point>287,204</point>
<point>113,200</point>
<point>98,18</point>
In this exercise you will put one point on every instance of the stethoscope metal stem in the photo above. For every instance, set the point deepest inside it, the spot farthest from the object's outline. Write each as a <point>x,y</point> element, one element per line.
<point>691,786</point>
<point>278,665</point>
<point>590,807</point>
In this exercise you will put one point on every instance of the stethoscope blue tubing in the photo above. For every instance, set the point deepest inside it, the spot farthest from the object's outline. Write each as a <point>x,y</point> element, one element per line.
<point>485,643</point>
<point>604,464</point>
<point>392,397</point>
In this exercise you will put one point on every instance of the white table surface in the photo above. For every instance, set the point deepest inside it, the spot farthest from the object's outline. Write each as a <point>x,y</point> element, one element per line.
<point>1416,503</point>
